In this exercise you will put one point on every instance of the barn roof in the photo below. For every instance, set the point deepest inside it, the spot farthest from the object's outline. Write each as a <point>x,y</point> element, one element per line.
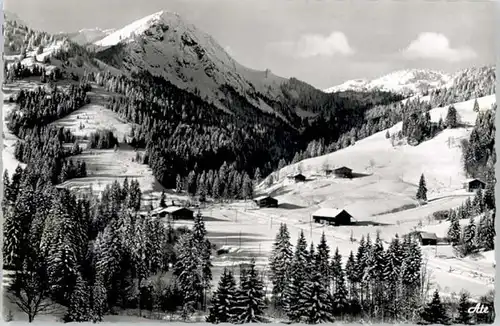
<point>343,168</point>
<point>158,210</point>
<point>428,235</point>
<point>173,209</point>
<point>330,212</point>
<point>475,179</point>
<point>262,197</point>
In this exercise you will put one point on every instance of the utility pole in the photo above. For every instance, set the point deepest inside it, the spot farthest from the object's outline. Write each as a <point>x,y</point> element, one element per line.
<point>240,239</point>
<point>310,227</point>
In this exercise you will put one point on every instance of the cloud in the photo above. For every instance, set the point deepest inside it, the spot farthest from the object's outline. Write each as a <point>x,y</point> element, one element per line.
<point>436,46</point>
<point>315,45</point>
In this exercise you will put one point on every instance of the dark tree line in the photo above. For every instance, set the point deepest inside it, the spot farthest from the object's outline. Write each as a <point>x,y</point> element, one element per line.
<point>40,107</point>
<point>226,183</point>
<point>102,139</point>
<point>367,285</point>
<point>479,155</point>
<point>20,71</point>
<point>375,283</point>
<point>476,235</point>
<point>43,149</point>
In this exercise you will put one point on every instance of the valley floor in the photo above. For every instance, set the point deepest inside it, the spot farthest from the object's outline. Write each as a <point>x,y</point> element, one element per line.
<point>380,199</point>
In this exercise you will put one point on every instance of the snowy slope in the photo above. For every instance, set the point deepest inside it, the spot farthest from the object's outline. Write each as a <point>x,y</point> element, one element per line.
<point>392,171</point>
<point>89,35</point>
<point>382,200</point>
<point>413,81</point>
<point>166,45</point>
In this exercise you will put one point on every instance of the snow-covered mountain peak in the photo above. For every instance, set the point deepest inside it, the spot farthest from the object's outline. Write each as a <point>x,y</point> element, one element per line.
<point>408,82</point>
<point>140,26</point>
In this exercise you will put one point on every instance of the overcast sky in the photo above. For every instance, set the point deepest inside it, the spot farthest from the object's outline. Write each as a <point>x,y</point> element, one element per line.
<point>323,42</point>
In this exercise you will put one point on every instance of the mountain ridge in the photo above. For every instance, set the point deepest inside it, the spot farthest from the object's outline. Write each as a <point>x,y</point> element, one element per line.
<point>406,82</point>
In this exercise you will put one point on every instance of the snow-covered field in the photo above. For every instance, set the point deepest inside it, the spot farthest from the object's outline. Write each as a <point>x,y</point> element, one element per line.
<point>391,174</point>
<point>94,116</point>
<point>104,166</point>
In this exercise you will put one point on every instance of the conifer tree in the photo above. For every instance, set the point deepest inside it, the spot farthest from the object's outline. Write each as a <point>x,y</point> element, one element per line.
<point>340,302</point>
<point>489,195</point>
<point>163,199</point>
<point>476,106</point>
<point>486,232</point>
<point>188,272</point>
<point>323,259</point>
<point>296,281</point>
<point>203,249</point>
<point>464,316</point>
<point>469,237</point>
<point>422,189</point>
<point>452,117</point>
<point>257,176</point>
<point>315,302</point>
<point>13,238</point>
<point>247,187</point>
<point>223,299</point>
<point>280,262</point>
<point>454,231</point>
<point>249,304</point>
<point>79,307</point>
<point>99,298</point>
<point>351,275</point>
<point>391,275</point>
<point>179,184</point>
<point>435,312</point>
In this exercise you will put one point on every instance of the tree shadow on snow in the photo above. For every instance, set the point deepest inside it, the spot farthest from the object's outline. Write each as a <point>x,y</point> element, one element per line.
<point>368,223</point>
<point>360,175</point>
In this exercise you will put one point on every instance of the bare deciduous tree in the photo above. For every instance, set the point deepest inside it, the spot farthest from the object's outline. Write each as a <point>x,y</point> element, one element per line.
<point>29,292</point>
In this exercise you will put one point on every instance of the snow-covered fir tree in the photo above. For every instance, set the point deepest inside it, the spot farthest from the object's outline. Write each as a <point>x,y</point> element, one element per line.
<point>454,230</point>
<point>464,316</point>
<point>340,302</point>
<point>279,263</point>
<point>79,306</point>
<point>297,280</point>
<point>434,312</point>
<point>249,304</point>
<point>422,189</point>
<point>315,302</point>
<point>223,299</point>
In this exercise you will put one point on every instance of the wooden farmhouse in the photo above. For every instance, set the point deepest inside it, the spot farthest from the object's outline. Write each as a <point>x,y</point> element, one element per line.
<point>266,201</point>
<point>179,213</point>
<point>427,238</point>
<point>332,216</point>
<point>474,184</point>
<point>343,172</point>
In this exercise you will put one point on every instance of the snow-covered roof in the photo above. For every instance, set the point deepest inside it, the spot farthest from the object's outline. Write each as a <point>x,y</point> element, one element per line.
<point>343,168</point>
<point>173,209</point>
<point>428,235</point>
<point>327,212</point>
<point>261,197</point>
<point>475,179</point>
